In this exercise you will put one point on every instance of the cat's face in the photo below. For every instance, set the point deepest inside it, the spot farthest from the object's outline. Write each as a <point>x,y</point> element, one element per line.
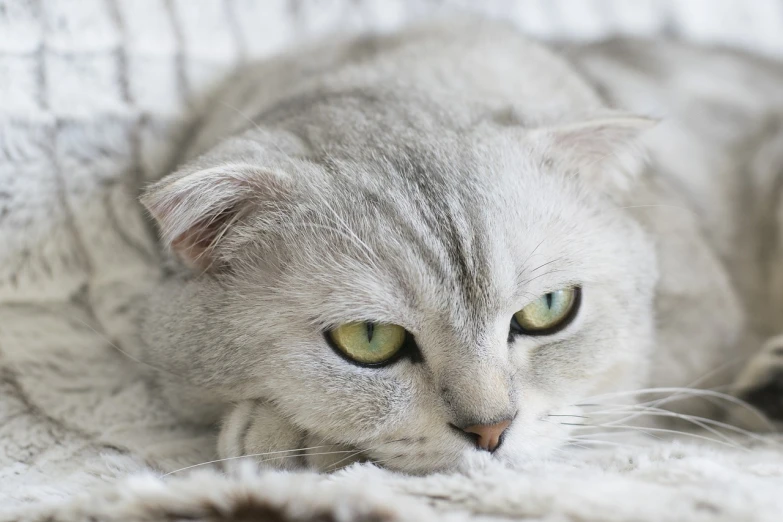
<point>445,238</point>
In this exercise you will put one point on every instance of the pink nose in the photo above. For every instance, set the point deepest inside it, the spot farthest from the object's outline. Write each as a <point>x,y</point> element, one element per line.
<point>488,435</point>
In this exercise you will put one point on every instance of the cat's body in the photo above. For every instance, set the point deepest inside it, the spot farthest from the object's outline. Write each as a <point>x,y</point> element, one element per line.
<point>442,179</point>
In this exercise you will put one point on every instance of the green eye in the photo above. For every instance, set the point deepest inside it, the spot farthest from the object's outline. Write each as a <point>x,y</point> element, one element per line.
<point>368,343</point>
<point>548,313</point>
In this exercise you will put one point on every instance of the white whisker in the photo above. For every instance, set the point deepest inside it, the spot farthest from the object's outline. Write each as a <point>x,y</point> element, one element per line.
<point>649,431</point>
<point>680,394</point>
<point>242,457</point>
<point>699,421</point>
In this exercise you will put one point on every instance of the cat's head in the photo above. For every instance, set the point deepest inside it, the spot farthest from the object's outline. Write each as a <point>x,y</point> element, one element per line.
<point>415,292</point>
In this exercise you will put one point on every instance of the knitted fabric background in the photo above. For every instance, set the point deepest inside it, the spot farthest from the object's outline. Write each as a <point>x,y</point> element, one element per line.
<point>93,96</point>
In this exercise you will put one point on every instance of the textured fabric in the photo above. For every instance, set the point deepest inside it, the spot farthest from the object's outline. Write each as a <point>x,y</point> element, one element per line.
<point>93,94</point>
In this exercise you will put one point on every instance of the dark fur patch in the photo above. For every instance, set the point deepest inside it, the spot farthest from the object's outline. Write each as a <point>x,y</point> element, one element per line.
<point>768,397</point>
<point>248,508</point>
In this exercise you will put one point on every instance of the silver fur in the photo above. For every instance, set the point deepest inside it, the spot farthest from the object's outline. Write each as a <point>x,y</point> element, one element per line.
<point>441,179</point>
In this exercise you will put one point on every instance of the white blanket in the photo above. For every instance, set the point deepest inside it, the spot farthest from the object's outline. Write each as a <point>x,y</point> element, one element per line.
<point>92,96</point>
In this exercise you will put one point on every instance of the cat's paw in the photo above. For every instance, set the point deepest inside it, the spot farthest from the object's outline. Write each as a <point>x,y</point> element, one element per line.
<point>760,384</point>
<point>254,431</point>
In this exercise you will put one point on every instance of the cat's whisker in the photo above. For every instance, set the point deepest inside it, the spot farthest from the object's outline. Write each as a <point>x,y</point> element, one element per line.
<point>702,422</point>
<point>217,461</point>
<point>620,426</point>
<point>283,457</point>
<point>723,367</point>
<point>599,434</point>
<point>377,462</point>
<point>659,205</point>
<point>600,442</point>
<point>684,392</point>
<point>650,432</point>
<point>283,454</point>
<point>575,445</point>
<point>334,466</point>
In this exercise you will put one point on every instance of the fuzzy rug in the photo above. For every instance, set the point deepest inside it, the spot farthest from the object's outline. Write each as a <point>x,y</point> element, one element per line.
<point>93,95</point>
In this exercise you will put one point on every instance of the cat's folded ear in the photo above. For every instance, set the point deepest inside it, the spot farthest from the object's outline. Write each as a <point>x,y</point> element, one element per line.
<point>605,149</point>
<point>195,208</point>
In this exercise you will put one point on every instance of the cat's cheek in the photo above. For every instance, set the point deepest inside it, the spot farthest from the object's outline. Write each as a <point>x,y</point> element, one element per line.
<point>340,402</point>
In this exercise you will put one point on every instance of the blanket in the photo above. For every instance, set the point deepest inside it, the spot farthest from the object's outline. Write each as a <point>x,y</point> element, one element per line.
<point>93,98</point>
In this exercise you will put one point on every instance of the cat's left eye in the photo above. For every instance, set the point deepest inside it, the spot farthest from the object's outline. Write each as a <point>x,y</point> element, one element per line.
<point>368,343</point>
<point>548,314</point>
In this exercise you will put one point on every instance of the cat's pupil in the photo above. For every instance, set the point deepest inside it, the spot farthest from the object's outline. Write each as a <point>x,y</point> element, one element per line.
<point>370,330</point>
<point>549,299</point>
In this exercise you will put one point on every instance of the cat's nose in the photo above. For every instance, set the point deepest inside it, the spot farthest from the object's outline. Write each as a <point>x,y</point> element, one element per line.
<point>488,435</point>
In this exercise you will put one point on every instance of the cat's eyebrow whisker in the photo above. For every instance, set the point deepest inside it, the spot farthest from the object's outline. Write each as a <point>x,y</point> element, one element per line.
<point>555,260</point>
<point>531,279</point>
<point>530,256</point>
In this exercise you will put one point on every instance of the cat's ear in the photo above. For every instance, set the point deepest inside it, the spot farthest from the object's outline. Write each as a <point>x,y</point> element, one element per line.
<point>195,209</point>
<point>606,149</point>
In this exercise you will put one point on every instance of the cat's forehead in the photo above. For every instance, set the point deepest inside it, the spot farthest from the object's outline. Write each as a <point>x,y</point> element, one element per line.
<point>426,231</point>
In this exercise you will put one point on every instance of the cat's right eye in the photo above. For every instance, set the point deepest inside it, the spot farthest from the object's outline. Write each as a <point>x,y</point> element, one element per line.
<point>366,343</point>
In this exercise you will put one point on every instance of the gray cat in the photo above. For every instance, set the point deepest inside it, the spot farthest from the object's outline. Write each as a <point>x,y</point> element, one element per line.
<point>428,249</point>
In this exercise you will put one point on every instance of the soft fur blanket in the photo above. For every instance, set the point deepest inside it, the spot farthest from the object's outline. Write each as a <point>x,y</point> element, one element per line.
<point>93,94</point>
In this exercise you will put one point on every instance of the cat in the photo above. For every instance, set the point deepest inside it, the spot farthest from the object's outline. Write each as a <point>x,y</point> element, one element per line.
<point>429,249</point>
